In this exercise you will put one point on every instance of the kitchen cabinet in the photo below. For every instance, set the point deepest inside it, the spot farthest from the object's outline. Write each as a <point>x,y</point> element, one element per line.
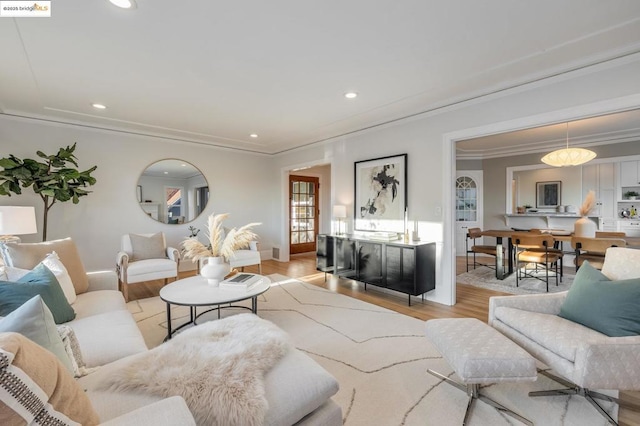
<point>630,173</point>
<point>601,178</point>
<point>630,227</point>
<point>408,268</point>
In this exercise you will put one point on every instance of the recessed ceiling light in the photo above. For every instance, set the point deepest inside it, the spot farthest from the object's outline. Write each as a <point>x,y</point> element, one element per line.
<point>351,95</point>
<point>99,106</point>
<point>166,173</point>
<point>125,4</point>
<point>254,135</point>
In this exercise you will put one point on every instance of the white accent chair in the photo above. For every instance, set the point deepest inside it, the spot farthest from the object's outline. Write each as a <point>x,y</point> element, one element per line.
<point>584,358</point>
<point>247,257</point>
<point>137,271</point>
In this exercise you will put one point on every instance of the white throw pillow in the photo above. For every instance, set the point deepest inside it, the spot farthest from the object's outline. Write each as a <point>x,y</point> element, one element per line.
<point>52,261</point>
<point>14,274</point>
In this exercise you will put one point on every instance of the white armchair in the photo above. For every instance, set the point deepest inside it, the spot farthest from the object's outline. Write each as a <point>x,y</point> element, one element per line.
<point>584,358</point>
<point>247,257</point>
<point>149,259</point>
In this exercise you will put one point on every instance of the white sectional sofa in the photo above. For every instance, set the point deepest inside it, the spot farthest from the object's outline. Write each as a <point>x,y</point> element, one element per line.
<point>298,389</point>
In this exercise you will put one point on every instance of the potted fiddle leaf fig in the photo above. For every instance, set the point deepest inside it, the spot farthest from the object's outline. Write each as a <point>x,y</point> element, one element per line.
<point>52,179</point>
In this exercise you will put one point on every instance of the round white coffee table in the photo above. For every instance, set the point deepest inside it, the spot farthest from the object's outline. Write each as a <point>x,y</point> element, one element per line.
<point>195,291</point>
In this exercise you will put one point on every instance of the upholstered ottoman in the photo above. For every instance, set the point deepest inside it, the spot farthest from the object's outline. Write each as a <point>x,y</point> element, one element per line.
<point>479,355</point>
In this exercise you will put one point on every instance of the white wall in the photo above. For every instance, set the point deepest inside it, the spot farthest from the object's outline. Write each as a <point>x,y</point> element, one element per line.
<point>570,188</point>
<point>428,141</point>
<point>242,184</point>
<point>254,187</point>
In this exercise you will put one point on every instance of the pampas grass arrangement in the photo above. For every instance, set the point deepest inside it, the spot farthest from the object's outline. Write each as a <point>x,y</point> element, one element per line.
<point>588,204</point>
<point>219,243</point>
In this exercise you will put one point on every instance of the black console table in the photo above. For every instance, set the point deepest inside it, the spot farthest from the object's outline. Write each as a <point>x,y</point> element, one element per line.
<point>409,268</point>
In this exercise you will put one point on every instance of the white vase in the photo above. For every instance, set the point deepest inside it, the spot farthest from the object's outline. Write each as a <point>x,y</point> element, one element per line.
<point>214,270</point>
<point>584,227</point>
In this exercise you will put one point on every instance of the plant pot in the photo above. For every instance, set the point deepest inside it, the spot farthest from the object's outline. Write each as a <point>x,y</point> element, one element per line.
<point>585,227</point>
<point>214,270</point>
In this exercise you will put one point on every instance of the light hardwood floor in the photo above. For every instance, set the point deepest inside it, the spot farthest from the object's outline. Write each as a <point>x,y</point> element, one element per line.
<point>470,302</point>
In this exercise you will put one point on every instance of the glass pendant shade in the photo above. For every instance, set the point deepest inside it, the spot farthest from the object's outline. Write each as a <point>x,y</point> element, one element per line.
<point>568,156</point>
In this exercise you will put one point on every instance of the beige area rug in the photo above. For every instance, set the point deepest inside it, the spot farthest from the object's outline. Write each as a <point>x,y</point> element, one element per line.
<point>486,278</point>
<point>380,359</point>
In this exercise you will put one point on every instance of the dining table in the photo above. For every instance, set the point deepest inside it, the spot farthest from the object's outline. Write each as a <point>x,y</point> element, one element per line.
<point>499,234</point>
<point>560,236</point>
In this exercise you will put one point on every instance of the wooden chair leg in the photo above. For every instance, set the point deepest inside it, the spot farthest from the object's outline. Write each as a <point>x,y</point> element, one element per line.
<point>124,287</point>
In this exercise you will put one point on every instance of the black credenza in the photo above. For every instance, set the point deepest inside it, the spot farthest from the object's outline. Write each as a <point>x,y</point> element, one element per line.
<point>409,268</point>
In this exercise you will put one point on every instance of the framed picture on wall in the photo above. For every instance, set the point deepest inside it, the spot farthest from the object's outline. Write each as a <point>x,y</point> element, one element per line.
<point>548,194</point>
<point>381,194</point>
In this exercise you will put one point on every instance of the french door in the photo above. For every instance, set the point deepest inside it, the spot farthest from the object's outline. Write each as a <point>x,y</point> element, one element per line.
<point>303,213</point>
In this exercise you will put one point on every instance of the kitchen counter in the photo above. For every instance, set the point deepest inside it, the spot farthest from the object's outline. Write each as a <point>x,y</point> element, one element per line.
<point>550,214</point>
<point>542,220</point>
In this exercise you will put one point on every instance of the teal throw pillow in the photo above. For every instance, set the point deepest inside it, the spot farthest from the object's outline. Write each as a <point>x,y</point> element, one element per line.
<point>610,307</point>
<point>40,281</point>
<point>35,322</point>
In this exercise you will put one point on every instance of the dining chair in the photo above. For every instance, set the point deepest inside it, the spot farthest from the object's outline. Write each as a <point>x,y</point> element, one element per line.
<point>593,249</point>
<point>491,250</point>
<point>537,249</point>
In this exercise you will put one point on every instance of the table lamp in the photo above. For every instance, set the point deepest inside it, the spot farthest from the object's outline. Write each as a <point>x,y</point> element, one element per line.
<point>340,213</point>
<point>15,220</point>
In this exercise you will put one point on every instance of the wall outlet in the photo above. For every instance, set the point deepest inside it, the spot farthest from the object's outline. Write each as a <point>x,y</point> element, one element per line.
<point>438,211</point>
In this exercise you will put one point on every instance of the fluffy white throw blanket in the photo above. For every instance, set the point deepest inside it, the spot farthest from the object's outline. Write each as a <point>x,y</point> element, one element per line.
<point>217,367</point>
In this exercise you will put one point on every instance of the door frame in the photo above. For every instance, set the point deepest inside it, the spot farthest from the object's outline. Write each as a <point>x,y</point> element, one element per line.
<point>449,140</point>
<point>309,246</point>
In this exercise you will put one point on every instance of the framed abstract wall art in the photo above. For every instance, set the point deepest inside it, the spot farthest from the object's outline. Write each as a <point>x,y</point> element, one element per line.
<point>381,194</point>
<point>548,194</point>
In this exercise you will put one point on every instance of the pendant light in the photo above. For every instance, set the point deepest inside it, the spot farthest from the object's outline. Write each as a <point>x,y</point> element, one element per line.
<point>568,156</point>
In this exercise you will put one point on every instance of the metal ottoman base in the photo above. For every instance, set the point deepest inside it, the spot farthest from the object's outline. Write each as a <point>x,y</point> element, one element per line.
<point>473,390</point>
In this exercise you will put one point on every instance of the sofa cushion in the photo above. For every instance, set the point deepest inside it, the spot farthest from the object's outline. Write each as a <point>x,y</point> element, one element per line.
<point>610,307</point>
<point>296,386</point>
<point>34,383</point>
<point>552,332</point>
<point>28,255</point>
<point>147,247</point>
<point>34,320</point>
<point>98,302</point>
<point>107,337</point>
<point>621,263</point>
<point>39,281</point>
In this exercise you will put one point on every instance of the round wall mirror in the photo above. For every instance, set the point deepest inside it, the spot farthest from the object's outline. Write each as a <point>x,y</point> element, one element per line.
<point>172,191</point>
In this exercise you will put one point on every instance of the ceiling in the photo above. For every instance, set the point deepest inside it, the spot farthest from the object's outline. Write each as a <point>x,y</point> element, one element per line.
<point>213,72</point>
<point>601,130</point>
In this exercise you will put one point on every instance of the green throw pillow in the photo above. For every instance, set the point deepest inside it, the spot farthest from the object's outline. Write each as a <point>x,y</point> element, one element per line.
<point>34,321</point>
<point>610,307</point>
<point>40,281</point>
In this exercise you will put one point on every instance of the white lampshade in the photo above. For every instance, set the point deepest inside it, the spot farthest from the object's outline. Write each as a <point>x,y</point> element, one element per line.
<point>568,157</point>
<point>15,220</point>
<point>339,212</point>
